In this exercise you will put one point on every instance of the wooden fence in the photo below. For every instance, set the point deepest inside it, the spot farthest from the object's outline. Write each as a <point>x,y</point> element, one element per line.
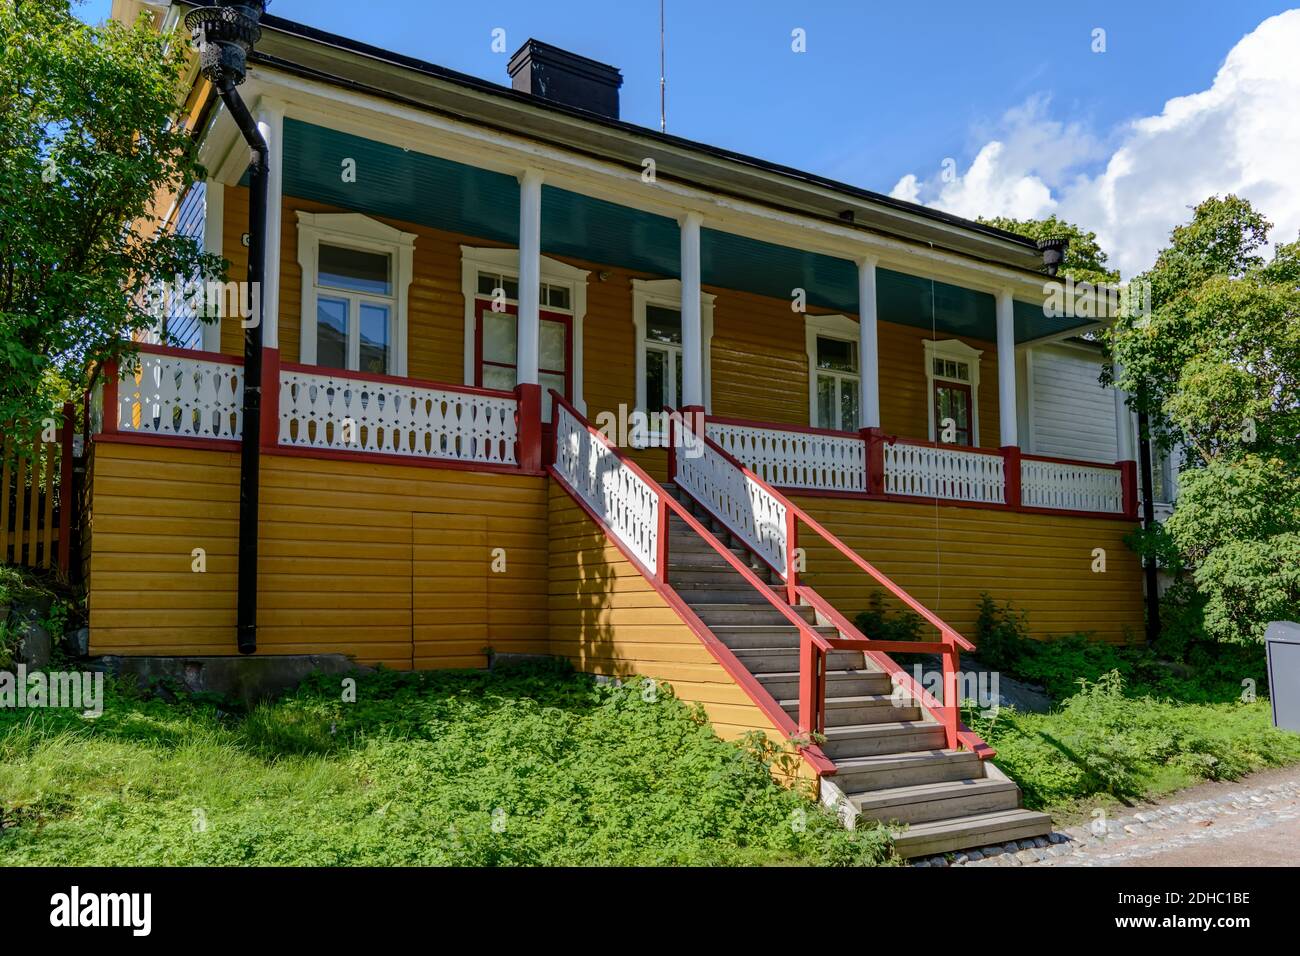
<point>36,495</point>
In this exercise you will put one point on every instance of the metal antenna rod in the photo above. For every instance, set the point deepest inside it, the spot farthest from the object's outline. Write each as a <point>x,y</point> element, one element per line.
<point>663,114</point>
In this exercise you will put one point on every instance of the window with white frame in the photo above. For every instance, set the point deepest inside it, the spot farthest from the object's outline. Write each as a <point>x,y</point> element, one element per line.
<point>837,384</point>
<point>490,283</point>
<point>663,356</point>
<point>834,372</point>
<point>952,370</point>
<point>356,273</point>
<point>657,317</point>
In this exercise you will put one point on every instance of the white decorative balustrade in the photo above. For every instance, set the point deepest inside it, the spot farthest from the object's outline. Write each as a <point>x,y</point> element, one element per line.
<point>329,410</point>
<point>620,497</point>
<point>181,396</point>
<point>796,459</point>
<point>951,473</point>
<point>743,504</point>
<point>1071,486</point>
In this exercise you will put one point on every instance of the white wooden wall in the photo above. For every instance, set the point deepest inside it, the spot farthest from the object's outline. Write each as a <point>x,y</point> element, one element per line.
<point>1069,415</point>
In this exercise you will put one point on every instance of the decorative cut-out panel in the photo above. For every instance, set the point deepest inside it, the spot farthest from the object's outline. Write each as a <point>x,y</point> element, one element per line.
<point>331,410</point>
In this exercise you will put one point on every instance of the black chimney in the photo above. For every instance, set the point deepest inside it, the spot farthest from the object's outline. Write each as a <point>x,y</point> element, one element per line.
<point>563,77</point>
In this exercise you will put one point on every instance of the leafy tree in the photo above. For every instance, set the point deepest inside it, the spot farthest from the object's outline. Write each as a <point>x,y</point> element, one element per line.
<point>89,155</point>
<point>1085,261</point>
<point>1217,365</point>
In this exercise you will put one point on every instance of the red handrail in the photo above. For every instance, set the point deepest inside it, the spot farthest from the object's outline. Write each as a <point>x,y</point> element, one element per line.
<point>817,529</point>
<point>813,646</point>
<point>948,711</point>
<point>952,642</point>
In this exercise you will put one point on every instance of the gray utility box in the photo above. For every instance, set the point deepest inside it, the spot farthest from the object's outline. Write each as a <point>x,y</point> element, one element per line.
<point>1283,641</point>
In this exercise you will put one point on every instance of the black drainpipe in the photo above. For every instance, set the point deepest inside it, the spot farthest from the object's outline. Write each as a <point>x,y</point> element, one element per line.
<point>1152,568</point>
<point>224,35</point>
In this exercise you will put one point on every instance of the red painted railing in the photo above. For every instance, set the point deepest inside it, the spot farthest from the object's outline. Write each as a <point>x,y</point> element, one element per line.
<point>666,506</point>
<point>812,653</point>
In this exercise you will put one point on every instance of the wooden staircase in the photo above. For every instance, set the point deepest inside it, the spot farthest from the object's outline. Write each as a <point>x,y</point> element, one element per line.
<point>891,763</point>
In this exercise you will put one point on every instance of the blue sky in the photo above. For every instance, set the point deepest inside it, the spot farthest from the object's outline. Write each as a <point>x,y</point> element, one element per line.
<point>884,89</point>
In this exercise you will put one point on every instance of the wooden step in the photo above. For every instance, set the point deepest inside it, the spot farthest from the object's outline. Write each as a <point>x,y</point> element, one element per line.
<point>731,612</point>
<point>964,833</point>
<point>707,558</point>
<point>688,542</point>
<point>882,771</point>
<point>862,709</point>
<point>723,575</point>
<point>714,592</point>
<point>921,803</point>
<point>785,685</point>
<point>766,660</point>
<point>857,740</point>
<point>737,636</point>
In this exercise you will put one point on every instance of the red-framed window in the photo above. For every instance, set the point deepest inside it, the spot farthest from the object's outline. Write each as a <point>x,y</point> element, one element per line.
<point>954,400</point>
<point>496,359</point>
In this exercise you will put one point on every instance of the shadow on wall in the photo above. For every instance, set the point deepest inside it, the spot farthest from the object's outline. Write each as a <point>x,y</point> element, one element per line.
<point>585,598</point>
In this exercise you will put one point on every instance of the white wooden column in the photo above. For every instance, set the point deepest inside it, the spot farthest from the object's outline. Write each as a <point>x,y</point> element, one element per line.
<point>1125,436</point>
<point>1007,369</point>
<point>692,335</point>
<point>270,122</point>
<point>868,348</point>
<point>214,231</point>
<point>530,275</point>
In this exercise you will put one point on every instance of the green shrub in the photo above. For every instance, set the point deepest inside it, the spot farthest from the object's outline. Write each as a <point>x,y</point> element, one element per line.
<point>1001,635</point>
<point>1106,740</point>
<point>879,624</point>
<point>1185,664</point>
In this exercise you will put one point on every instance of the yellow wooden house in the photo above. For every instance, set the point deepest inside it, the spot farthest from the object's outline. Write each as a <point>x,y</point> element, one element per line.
<point>478,300</point>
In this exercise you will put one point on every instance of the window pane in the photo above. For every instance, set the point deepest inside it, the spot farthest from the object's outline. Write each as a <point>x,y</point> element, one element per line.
<point>663,324</point>
<point>675,357</point>
<point>554,345</point>
<point>548,382</point>
<point>331,332</point>
<point>825,401</point>
<point>496,377</point>
<point>656,379</point>
<point>489,282</point>
<point>354,270</point>
<point>374,338</point>
<point>499,337</point>
<point>837,354</point>
<point>848,404</point>
<point>953,403</point>
<point>557,297</point>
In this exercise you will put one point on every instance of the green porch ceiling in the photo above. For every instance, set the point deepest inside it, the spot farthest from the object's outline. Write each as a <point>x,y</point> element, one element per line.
<point>400,184</point>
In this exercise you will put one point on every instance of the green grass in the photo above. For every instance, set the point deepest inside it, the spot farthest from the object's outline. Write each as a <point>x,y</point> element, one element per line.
<point>527,766</point>
<point>1130,723</point>
<point>1106,746</point>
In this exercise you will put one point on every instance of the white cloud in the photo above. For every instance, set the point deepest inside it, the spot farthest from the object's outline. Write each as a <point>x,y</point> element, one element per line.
<point>1242,135</point>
